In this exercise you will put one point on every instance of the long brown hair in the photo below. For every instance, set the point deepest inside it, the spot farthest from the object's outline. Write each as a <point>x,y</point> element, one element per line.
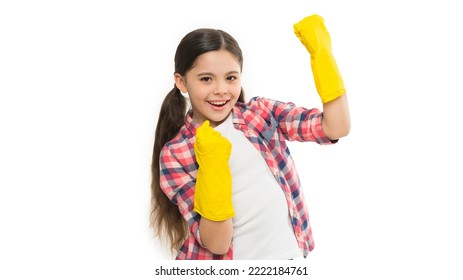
<point>165,217</point>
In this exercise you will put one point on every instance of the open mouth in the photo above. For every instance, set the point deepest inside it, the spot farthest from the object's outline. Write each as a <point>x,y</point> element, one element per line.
<point>218,103</point>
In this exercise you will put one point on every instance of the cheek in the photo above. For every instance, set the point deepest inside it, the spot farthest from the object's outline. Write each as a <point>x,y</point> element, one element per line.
<point>236,90</point>
<point>198,91</point>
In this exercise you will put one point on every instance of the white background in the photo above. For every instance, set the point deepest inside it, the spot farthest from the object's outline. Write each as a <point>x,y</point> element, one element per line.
<point>81,84</point>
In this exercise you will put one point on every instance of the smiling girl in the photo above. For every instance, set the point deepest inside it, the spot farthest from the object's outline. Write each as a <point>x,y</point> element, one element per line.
<point>224,184</point>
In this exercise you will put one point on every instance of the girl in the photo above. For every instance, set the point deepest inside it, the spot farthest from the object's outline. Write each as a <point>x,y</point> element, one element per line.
<point>224,184</point>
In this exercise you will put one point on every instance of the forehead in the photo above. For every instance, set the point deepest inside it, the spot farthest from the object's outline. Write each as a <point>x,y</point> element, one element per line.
<point>221,60</point>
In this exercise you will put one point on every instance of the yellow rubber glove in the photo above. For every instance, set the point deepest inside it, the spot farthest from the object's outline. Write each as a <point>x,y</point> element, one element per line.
<point>315,37</point>
<point>213,191</point>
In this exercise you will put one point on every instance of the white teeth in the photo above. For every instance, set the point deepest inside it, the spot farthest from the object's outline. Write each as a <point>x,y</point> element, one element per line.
<point>218,103</point>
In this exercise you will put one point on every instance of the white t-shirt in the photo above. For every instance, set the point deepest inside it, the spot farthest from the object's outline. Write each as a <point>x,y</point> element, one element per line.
<point>261,226</point>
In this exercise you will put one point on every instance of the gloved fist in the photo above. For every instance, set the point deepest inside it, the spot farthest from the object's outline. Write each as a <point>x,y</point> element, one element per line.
<point>313,34</point>
<point>210,142</point>
<point>213,191</point>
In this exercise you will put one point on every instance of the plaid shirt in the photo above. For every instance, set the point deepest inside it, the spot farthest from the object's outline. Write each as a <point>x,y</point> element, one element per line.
<point>267,124</point>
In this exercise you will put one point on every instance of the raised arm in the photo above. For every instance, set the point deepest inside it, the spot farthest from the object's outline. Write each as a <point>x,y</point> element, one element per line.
<point>328,81</point>
<point>336,118</point>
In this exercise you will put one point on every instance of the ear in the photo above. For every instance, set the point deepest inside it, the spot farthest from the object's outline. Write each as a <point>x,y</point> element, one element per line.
<point>180,83</point>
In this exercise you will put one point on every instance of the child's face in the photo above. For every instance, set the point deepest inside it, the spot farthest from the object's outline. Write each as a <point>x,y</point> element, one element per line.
<point>213,85</point>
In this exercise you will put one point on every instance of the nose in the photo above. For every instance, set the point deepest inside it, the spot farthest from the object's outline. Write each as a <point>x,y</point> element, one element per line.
<point>221,88</point>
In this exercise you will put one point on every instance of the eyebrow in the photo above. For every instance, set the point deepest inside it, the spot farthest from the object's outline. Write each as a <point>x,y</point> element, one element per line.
<point>211,74</point>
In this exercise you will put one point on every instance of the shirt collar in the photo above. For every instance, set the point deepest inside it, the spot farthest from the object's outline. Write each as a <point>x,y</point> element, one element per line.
<point>237,114</point>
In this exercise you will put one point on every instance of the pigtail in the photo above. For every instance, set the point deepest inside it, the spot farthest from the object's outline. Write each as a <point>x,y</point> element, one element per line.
<point>166,218</point>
